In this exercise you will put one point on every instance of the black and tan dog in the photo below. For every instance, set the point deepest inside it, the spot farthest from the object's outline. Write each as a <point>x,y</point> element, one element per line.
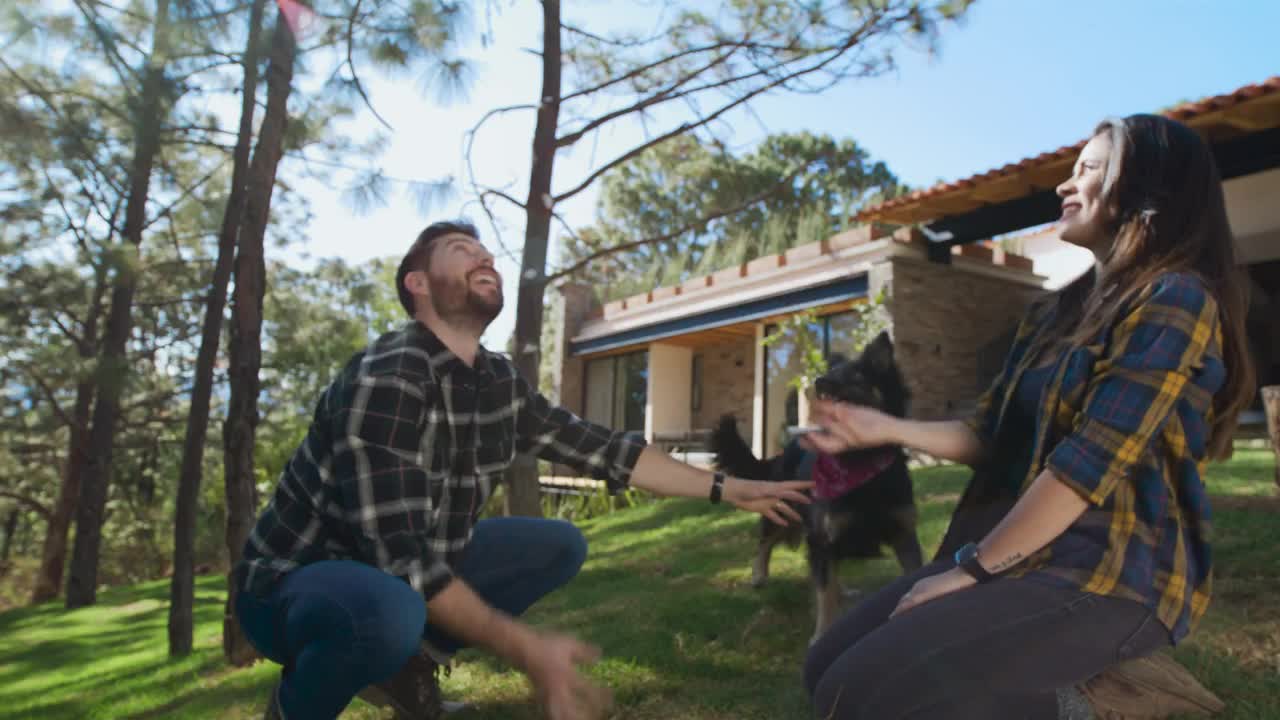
<point>863,498</point>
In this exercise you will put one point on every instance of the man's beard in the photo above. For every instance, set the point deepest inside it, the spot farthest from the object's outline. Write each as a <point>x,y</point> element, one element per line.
<point>456,303</point>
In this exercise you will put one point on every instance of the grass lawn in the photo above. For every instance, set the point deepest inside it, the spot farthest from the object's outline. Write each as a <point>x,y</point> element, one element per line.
<point>665,592</point>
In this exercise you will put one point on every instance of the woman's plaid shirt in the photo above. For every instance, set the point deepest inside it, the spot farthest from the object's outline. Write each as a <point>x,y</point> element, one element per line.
<point>403,451</point>
<point>1125,422</point>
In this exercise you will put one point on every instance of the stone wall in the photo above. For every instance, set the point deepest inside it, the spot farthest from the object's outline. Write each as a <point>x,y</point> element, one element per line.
<point>944,316</point>
<point>727,384</point>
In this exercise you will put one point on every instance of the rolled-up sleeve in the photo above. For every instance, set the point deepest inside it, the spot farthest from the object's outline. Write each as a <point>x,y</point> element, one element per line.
<point>379,472</point>
<point>1155,352</point>
<point>555,434</point>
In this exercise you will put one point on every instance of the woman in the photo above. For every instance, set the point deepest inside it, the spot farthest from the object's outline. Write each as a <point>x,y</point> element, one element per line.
<point>1082,537</point>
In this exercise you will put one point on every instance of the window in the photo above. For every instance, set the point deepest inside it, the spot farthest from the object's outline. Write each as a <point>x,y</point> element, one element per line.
<point>832,333</point>
<point>617,390</point>
<point>783,363</point>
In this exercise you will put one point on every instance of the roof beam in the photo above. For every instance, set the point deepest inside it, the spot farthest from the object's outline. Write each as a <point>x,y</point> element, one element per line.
<point>1242,155</point>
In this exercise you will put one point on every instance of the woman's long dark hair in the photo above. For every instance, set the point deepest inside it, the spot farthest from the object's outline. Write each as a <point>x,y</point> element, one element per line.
<point>1168,215</point>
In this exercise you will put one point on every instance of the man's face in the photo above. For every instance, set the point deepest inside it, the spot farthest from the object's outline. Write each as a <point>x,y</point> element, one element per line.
<point>462,283</point>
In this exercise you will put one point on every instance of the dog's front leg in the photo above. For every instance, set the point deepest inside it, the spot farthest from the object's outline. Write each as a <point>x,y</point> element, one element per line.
<point>770,534</point>
<point>906,542</point>
<point>822,570</point>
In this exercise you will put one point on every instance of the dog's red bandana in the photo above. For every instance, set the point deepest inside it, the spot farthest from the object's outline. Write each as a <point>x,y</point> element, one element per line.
<point>833,478</point>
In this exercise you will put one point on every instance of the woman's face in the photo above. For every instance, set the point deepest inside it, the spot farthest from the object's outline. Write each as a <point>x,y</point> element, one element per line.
<point>1085,215</point>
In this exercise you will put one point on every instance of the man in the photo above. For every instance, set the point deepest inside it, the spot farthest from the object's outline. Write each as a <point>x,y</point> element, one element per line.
<point>376,511</point>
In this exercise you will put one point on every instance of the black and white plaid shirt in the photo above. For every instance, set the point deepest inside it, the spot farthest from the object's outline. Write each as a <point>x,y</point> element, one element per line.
<point>402,454</point>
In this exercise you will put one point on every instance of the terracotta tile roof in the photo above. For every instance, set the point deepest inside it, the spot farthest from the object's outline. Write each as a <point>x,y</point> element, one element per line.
<point>1256,107</point>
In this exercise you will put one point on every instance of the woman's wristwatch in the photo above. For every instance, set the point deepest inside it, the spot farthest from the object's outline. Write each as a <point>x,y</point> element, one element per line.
<point>967,560</point>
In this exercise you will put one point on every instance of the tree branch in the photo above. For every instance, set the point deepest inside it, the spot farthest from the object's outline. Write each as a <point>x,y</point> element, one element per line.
<point>493,221</point>
<point>51,397</point>
<point>186,193</point>
<point>666,94</point>
<point>583,262</point>
<point>126,73</point>
<point>641,70</point>
<point>564,224</point>
<point>853,40</point>
<point>170,301</point>
<point>53,107</point>
<point>65,330</point>
<point>607,41</point>
<point>30,502</point>
<point>504,196</point>
<point>351,63</point>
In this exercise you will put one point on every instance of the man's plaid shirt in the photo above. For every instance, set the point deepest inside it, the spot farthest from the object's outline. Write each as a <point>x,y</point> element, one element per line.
<point>1125,422</point>
<point>402,453</point>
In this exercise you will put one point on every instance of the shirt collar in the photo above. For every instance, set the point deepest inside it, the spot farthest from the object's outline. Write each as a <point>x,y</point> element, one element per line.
<point>443,361</point>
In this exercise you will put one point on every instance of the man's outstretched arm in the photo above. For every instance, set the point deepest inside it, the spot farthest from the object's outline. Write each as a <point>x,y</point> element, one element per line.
<point>662,474</point>
<point>621,459</point>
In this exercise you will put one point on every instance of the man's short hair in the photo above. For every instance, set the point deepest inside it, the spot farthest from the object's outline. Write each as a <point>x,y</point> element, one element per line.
<point>419,255</point>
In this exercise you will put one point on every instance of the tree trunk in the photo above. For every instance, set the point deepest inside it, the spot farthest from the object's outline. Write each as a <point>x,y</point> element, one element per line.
<point>522,495</point>
<point>182,586</point>
<point>53,556</point>
<point>82,585</point>
<point>1271,405</point>
<point>10,529</point>
<point>246,326</point>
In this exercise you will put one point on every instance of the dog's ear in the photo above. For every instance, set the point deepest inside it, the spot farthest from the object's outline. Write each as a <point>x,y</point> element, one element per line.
<point>879,352</point>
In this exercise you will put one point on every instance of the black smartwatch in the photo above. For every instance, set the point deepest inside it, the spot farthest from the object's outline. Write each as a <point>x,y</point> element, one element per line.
<point>717,486</point>
<point>967,559</point>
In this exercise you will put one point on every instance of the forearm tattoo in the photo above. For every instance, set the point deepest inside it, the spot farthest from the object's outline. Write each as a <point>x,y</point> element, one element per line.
<point>1006,563</point>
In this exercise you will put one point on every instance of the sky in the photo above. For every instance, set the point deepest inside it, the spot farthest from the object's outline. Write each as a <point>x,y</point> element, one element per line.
<point>1015,78</point>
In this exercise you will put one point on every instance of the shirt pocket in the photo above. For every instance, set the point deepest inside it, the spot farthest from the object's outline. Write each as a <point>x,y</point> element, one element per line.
<point>494,455</point>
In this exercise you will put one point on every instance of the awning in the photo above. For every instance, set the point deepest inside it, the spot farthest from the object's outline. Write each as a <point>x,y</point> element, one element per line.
<point>846,288</point>
<point>1242,127</point>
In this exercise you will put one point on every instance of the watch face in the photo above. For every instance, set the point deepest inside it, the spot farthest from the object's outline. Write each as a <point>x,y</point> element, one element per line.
<point>966,553</point>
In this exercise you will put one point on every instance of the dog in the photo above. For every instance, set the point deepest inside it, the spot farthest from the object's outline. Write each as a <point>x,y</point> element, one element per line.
<point>864,498</point>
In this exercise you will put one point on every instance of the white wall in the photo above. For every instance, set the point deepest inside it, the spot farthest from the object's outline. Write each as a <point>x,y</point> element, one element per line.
<point>669,407</point>
<point>1253,205</point>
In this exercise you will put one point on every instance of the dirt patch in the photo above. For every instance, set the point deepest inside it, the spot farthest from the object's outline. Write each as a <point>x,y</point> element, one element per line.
<point>138,607</point>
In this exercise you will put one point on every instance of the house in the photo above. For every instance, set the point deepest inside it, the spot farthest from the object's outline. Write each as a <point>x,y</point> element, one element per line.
<point>670,362</point>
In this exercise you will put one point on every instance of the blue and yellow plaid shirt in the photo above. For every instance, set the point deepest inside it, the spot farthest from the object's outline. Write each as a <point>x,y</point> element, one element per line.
<point>1125,422</point>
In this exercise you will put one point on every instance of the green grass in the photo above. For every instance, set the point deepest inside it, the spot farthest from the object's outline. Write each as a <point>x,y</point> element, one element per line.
<point>665,593</point>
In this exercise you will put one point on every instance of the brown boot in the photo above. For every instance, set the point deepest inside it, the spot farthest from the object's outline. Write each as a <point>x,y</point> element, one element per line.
<point>1146,688</point>
<point>413,692</point>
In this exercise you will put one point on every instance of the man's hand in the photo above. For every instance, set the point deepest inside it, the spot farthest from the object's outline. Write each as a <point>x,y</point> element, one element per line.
<point>551,662</point>
<point>767,498</point>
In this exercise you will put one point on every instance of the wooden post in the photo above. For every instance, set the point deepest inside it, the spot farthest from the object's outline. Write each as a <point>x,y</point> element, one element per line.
<point>1271,405</point>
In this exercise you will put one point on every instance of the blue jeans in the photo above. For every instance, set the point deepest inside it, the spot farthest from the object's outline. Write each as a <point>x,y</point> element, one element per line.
<point>338,626</point>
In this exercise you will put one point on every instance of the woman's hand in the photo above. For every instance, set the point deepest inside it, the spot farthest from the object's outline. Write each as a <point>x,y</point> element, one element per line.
<point>849,427</point>
<point>932,588</point>
<point>767,498</point>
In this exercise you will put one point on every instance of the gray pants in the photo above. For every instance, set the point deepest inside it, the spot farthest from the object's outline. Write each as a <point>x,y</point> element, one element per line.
<point>998,650</point>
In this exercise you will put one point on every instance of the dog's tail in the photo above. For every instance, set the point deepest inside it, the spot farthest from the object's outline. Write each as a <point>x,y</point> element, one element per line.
<point>733,455</point>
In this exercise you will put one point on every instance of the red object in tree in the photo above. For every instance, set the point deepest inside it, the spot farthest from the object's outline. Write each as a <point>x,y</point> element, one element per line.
<point>298,16</point>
